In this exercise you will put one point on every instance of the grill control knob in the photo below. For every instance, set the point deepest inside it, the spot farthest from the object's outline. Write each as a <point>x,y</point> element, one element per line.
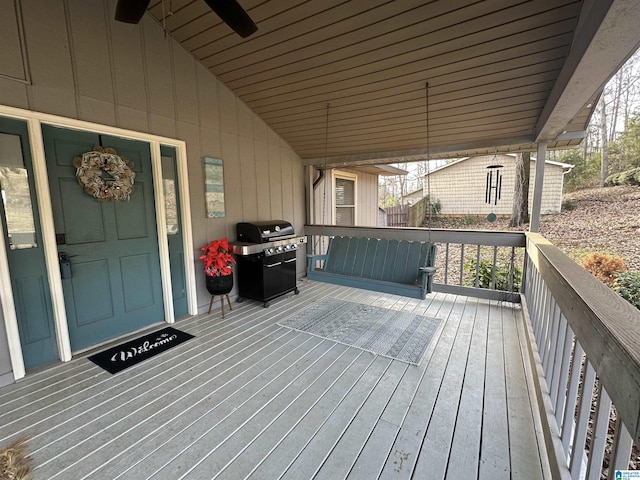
<point>269,251</point>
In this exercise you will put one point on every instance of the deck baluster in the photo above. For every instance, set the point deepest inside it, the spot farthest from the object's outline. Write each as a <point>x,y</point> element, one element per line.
<point>582,423</point>
<point>562,346</point>
<point>572,397</point>
<point>621,450</point>
<point>600,430</point>
<point>553,345</point>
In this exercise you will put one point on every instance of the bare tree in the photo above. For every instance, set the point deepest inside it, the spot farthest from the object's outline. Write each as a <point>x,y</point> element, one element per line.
<point>386,192</point>
<point>630,89</point>
<point>615,108</point>
<point>604,166</point>
<point>401,181</point>
<point>520,209</point>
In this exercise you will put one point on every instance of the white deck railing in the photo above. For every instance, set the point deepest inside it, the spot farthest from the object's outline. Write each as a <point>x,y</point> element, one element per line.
<point>584,340</point>
<point>462,254</point>
<point>588,359</point>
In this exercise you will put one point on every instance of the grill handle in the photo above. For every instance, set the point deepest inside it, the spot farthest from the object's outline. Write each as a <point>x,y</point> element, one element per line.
<point>273,265</point>
<point>290,260</point>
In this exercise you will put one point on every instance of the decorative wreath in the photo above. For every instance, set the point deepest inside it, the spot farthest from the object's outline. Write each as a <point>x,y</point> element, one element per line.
<point>105,175</point>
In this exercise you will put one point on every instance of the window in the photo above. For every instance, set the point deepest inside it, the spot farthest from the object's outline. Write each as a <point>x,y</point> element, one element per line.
<point>345,200</point>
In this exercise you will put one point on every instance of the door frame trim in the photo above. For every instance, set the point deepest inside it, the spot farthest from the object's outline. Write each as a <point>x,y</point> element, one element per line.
<point>34,123</point>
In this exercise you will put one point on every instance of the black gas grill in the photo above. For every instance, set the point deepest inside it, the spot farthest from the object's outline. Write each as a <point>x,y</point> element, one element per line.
<point>266,254</point>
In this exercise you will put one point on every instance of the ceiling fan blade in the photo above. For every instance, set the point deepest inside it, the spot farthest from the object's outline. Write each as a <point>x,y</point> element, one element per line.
<point>131,11</point>
<point>232,13</point>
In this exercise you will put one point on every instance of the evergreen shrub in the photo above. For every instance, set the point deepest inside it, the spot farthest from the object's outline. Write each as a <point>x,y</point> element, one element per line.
<point>629,177</point>
<point>627,284</point>
<point>503,276</point>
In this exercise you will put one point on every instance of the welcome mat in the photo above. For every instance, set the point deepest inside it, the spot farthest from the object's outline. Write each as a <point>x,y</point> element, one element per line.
<point>390,333</point>
<point>123,356</point>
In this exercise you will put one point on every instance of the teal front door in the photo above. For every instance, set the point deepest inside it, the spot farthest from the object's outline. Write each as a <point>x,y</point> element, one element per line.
<point>114,286</point>
<point>23,242</point>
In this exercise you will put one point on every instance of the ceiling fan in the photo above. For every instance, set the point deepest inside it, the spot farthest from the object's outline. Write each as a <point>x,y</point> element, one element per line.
<point>229,11</point>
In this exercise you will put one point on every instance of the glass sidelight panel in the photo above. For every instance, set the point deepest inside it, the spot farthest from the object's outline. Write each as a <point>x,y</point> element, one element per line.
<point>169,181</point>
<point>171,192</point>
<point>20,227</point>
<point>16,195</point>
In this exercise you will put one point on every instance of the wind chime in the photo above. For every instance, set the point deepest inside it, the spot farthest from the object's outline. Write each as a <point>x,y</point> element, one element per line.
<point>493,187</point>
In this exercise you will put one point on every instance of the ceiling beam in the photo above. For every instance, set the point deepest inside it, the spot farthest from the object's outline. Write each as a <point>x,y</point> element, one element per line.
<point>421,153</point>
<point>607,34</point>
<point>579,135</point>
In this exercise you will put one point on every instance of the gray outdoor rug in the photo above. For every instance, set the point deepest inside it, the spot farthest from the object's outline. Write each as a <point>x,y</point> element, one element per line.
<point>390,333</point>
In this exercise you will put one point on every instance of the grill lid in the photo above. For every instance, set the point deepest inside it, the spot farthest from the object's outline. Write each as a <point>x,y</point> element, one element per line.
<point>262,232</point>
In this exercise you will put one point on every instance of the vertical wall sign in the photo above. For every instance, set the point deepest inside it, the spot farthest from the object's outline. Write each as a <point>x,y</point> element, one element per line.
<point>214,187</point>
<point>493,188</point>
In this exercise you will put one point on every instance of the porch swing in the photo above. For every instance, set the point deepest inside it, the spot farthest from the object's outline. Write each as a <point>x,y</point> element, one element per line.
<point>399,267</point>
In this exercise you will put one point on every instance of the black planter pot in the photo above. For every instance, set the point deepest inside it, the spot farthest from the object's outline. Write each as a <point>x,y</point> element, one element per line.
<point>219,285</point>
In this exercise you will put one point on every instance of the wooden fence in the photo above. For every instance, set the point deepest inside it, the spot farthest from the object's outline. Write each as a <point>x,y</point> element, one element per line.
<point>398,216</point>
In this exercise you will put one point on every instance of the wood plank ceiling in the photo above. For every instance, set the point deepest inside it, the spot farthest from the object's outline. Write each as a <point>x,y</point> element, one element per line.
<point>491,66</point>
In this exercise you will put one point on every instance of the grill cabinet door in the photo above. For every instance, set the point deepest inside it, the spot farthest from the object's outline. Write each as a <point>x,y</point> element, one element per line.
<point>272,275</point>
<point>288,271</point>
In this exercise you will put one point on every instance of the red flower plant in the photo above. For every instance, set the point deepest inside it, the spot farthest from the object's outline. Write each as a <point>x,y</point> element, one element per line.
<point>217,259</point>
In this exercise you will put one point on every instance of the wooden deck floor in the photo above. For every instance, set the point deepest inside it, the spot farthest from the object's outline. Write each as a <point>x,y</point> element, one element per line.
<point>249,399</point>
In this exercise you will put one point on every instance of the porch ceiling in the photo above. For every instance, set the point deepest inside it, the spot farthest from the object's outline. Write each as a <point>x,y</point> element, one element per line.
<point>503,74</point>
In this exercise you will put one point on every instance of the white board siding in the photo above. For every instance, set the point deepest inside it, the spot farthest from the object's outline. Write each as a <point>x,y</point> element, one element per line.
<point>12,54</point>
<point>460,187</point>
<point>366,198</point>
<point>85,65</point>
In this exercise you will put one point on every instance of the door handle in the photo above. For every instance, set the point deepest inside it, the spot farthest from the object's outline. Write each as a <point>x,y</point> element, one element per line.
<point>65,265</point>
<point>273,265</point>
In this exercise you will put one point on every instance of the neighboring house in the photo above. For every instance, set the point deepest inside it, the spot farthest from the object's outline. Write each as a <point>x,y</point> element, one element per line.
<point>412,197</point>
<point>485,184</point>
<point>349,196</point>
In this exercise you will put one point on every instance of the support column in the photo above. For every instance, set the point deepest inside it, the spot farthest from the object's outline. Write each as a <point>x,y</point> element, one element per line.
<point>534,224</point>
<point>309,193</point>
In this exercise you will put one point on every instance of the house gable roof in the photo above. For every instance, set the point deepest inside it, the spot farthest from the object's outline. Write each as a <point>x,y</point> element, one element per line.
<point>564,166</point>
